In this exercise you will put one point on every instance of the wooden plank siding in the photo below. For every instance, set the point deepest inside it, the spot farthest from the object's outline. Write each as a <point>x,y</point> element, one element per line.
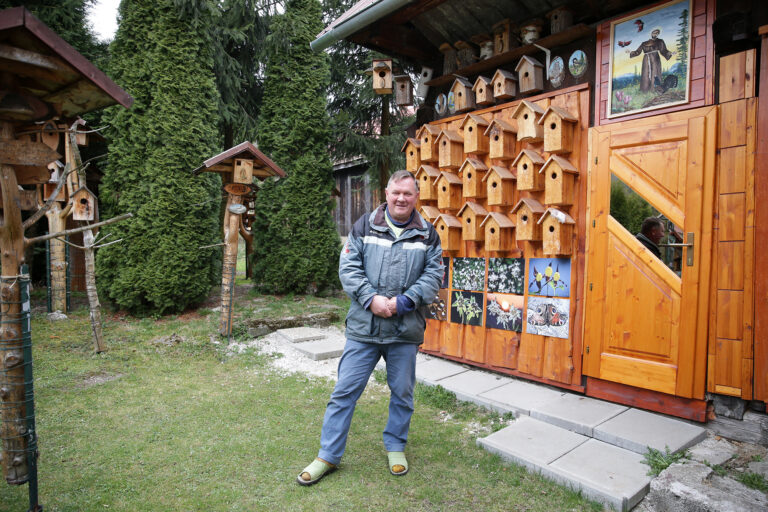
<point>731,322</point>
<point>761,232</point>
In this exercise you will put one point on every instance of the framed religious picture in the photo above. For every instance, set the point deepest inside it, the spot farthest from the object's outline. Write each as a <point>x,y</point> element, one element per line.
<point>650,59</point>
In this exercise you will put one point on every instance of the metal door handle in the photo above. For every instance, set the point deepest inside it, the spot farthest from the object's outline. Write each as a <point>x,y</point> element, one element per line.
<point>688,253</point>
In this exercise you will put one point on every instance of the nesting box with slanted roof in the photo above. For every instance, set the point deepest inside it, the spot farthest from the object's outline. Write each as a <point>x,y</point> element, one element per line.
<point>501,143</point>
<point>463,97</point>
<point>483,90</point>
<point>504,85</point>
<point>556,232</point>
<point>382,76</point>
<point>427,136</point>
<point>451,149</point>
<point>499,186</point>
<point>426,176</point>
<point>559,177</point>
<point>527,213</point>
<point>475,140</point>
<point>430,213</point>
<point>558,126</point>
<point>498,232</point>
<point>83,204</point>
<point>530,75</point>
<point>448,228</point>
<point>528,163</point>
<point>527,115</point>
<point>448,191</point>
<point>403,90</point>
<point>412,154</point>
<point>471,216</point>
<point>472,172</point>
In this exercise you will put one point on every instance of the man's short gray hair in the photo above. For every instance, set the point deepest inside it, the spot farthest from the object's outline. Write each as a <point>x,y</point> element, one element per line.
<point>402,175</point>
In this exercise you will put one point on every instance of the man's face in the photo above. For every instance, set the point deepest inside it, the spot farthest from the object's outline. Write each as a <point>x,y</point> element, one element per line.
<point>401,199</point>
<point>655,34</point>
<point>657,233</point>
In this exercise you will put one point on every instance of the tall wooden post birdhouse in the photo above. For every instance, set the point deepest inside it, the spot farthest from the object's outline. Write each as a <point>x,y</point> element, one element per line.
<point>403,90</point>
<point>430,213</point>
<point>448,229</point>
<point>499,186</point>
<point>528,163</point>
<point>501,143</point>
<point>502,37</point>
<point>556,232</point>
<point>483,90</point>
<point>412,154</point>
<point>527,115</point>
<point>530,75</point>
<point>558,126</point>
<point>559,177</point>
<point>472,172</point>
<point>382,76</point>
<point>527,212</point>
<point>84,204</point>
<point>504,85</point>
<point>451,149</point>
<point>448,191</point>
<point>427,136</point>
<point>471,216</point>
<point>463,97</point>
<point>475,140</point>
<point>498,232</point>
<point>426,176</point>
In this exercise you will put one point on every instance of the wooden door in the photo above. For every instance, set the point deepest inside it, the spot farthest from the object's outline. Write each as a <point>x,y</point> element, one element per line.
<point>646,325</point>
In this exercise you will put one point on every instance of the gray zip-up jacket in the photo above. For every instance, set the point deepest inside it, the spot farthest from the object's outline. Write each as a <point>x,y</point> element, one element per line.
<point>374,262</point>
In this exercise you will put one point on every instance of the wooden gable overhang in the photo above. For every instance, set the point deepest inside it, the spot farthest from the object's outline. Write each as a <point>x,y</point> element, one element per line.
<point>263,166</point>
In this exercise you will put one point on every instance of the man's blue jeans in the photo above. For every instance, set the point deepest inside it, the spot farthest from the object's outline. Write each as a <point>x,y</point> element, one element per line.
<point>355,367</point>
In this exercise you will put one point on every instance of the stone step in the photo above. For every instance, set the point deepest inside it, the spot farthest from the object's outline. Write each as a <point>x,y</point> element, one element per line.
<point>319,350</point>
<point>300,334</point>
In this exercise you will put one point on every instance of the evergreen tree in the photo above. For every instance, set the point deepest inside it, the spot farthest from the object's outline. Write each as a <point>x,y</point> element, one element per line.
<point>296,244</point>
<point>165,61</point>
<point>682,44</point>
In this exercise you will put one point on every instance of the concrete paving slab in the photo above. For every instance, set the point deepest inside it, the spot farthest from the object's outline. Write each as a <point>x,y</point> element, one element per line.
<point>637,430</point>
<point>531,442</point>
<point>319,350</point>
<point>468,385</point>
<point>606,473</point>
<point>519,396</point>
<point>713,451</point>
<point>299,334</point>
<point>577,413</point>
<point>433,370</point>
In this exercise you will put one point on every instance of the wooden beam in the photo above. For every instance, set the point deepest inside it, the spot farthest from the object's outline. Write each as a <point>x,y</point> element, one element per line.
<point>406,14</point>
<point>400,39</point>
<point>36,59</point>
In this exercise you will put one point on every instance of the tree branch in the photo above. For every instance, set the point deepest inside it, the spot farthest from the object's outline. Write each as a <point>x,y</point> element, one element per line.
<point>66,232</point>
<point>47,206</point>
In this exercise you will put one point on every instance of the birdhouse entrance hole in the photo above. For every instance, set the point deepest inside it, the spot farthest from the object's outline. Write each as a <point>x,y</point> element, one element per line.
<point>493,230</point>
<point>494,184</point>
<point>444,189</point>
<point>525,218</point>
<point>469,175</point>
<point>382,74</point>
<point>554,175</point>
<point>551,229</point>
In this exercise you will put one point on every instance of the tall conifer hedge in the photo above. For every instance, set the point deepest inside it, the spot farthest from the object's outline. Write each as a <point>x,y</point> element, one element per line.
<point>165,62</point>
<point>296,243</point>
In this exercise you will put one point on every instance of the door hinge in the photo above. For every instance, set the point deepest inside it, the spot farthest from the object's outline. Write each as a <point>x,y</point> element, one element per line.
<point>590,286</point>
<point>595,160</point>
<point>593,222</point>
<point>587,349</point>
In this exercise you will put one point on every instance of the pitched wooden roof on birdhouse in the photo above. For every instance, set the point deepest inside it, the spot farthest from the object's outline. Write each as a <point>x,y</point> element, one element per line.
<point>478,120</point>
<point>483,90</point>
<point>527,105</point>
<point>503,74</point>
<point>502,172</point>
<point>410,140</point>
<point>563,163</point>
<point>431,129</point>
<point>503,125</point>
<point>263,166</point>
<point>450,220</point>
<point>532,204</point>
<point>450,177</point>
<point>502,220</point>
<point>474,207</point>
<point>430,213</point>
<point>452,135</point>
<point>559,112</point>
<point>473,163</point>
<point>529,61</point>
<point>532,155</point>
<point>559,216</point>
<point>429,170</point>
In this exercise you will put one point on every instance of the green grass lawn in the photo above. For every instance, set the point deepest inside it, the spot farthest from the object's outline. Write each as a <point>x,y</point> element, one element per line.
<point>149,426</point>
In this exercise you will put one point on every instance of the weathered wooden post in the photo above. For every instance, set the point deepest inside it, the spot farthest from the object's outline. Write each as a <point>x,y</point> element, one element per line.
<point>238,167</point>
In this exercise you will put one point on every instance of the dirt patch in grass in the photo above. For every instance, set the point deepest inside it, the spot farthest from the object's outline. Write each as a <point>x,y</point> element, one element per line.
<point>97,379</point>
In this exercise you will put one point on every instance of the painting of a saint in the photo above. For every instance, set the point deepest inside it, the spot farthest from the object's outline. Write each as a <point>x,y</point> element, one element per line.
<point>652,50</point>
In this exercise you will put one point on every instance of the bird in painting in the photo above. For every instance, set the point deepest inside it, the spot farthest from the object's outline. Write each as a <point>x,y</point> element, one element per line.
<point>622,44</point>
<point>640,25</point>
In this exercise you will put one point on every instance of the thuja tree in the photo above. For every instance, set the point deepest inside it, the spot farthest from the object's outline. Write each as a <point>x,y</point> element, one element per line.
<point>296,244</point>
<point>165,61</point>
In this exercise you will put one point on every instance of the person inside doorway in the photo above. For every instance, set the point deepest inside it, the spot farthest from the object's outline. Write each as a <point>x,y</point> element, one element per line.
<point>651,233</point>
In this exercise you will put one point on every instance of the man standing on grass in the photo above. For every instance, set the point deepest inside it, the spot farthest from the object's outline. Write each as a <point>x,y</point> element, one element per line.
<point>391,266</point>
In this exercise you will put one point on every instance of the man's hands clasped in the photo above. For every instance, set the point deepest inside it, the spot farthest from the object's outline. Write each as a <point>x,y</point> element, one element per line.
<point>384,307</point>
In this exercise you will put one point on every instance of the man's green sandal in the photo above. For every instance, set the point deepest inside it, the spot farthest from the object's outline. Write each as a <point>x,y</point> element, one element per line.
<point>314,472</point>
<point>398,465</point>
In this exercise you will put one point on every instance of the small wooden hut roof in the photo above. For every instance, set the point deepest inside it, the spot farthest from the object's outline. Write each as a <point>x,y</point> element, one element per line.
<point>532,204</point>
<point>479,120</point>
<point>534,156</point>
<point>415,142</point>
<point>431,128</point>
<point>452,135</point>
<point>564,164</point>
<point>476,208</point>
<point>475,163</point>
<point>501,172</point>
<point>431,171</point>
<point>262,165</point>
<point>463,81</point>
<point>503,73</point>
<point>529,105</point>
<point>452,178</point>
<point>501,219</point>
<point>560,216</point>
<point>529,60</point>
<point>560,112</point>
<point>504,125</point>
<point>429,212</point>
<point>450,220</point>
<point>484,79</point>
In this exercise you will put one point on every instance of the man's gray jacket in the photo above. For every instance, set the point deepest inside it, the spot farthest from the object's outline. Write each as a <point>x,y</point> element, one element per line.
<point>375,262</point>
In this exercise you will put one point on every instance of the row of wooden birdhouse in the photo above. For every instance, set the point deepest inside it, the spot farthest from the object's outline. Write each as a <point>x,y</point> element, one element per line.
<point>532,223</point>
<point>504,85</point>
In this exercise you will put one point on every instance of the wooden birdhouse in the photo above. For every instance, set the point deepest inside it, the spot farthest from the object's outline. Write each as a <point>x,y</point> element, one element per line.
<point>412,154</point>
<point>556,232</point>
<point>471,216</point>
<point>501,144</point>
<point>448,191</point>
<point>475,140</point>
<point>463,97</point>
<point>426,176</point>
<point>558,125</point>
<point>382,76</point>
<point>472,172</point>
<point>527,115</point>
<point>530,75</point>
<point>50,188</point>
<point>483,90</point>
<point>403,90</point>
<point>528,163</point>
<point>451,149</point>
<point>425,76</point>
<point>242,171</point>
<point>527,214</point>
<point>498,232</point>
<point>448,228</point>
<point>83,204</point>
<point>559,178</point>
<point>560,19</point>
<point>430,213</point>
<point>427,136</point>
<point>499,186</point>
<point>504,85</point>
<point>502,37</point>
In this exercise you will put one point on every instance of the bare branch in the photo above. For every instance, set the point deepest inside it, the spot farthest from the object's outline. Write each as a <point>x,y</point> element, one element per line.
<point>47,206</point>
<point>214,245</point>
<point>99,246</point>
<point>42,238</point>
